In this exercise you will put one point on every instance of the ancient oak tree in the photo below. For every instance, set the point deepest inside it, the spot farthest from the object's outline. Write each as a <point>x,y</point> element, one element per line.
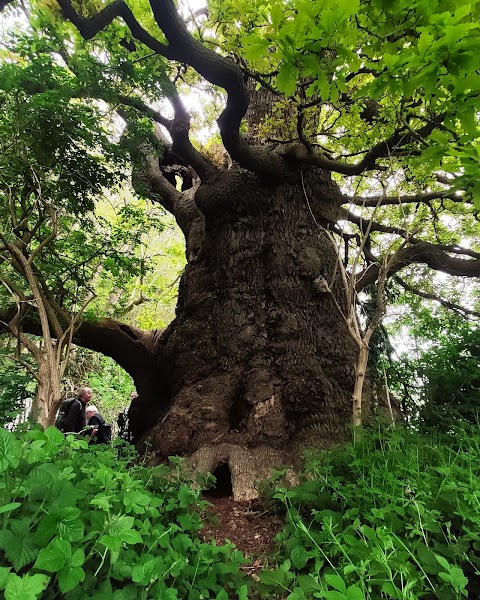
<point>342,124</point>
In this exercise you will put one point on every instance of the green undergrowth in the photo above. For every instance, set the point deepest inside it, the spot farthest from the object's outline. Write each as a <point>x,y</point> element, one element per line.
<point>79,522</point>
<point>395,516</point>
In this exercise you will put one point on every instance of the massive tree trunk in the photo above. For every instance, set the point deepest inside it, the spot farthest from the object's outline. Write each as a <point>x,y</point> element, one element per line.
<point>258,361</point>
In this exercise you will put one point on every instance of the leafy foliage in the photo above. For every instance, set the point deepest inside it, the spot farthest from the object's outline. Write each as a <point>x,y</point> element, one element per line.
<point>79,522</point>
<point>370,63</point>
<point>58,158</point>
<point>16,385</point>
<point>394,516</point>
<point>444,375</point>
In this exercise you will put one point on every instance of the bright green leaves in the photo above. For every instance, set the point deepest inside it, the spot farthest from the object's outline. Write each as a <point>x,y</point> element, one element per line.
<point>113,532</point>
<point>59,558</point>
<point>255,48</point>
<point>27,587</point>
<point>413,60</point>
<point>332,19</point>
<point>276,16</point>
<point>120,531</point>
<point>9,450</point>
<point>382,518</point>
<point>453,575</point>
<point>136,501</point>
<point>59,154</point>
<point>55,556</point>
<point>299,557</point>
<point>17,543</point>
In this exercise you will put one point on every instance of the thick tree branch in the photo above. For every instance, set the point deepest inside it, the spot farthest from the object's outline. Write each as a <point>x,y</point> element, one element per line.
<point>367,226</point>
<point>450,305</point>
<point>399,139</point>
<point>89,28</point>
<point>392,200</point>
<point>183,47</point>
<point>221,71</point>
<point>151,176</point>
<point>179,131</point>
<point>425,253</point>
<point>130,347</point>
<point>178,128</point>
<point>180,204</point>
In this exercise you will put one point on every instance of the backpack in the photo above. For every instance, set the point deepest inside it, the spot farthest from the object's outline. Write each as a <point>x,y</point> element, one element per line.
<point>62,416</point>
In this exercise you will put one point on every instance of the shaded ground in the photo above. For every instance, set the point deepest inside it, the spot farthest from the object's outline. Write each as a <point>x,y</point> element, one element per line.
<point>248,525</point>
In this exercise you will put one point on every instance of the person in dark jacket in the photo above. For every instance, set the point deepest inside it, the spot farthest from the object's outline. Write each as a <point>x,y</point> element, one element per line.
<point>76,417</point>
<point>96,422</point>
<point>123,421</point>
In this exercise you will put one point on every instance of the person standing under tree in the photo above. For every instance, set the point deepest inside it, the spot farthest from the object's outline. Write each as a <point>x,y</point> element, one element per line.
<point>76,418</point>
<point>123,421</point>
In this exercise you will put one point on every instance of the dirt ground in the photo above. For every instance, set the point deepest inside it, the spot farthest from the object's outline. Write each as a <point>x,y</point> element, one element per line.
<point>248,525</point>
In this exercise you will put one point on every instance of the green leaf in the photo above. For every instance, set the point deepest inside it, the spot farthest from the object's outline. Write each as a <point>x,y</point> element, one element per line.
<point>346,9</point>
<point>355,593</point>
<point>54,436</point>
<point>4,571</point>
<point>287,79</point>
<point>120,525</point>
<point>334,595</point>
<point>9,507</point>
<point>112,542</point>
<point>443,562</point>
<point>69,577</point>
<point>18,545</point>
<point>276,15</point>
<point>336,582</point>
<point>46,475</point>
<point>255,47</point>
<point>9,450</point>
<point>424,42</point>
<point>323,85</point>
<point>391,590</point>
<point>143,572</point>
<point>70,525</point>
<point>129,592</point>
<point>308,583</point>
<point>391,60</point>
<point>275,577</point>
<point>132,537</point>
<point>458,579</point>
<point>55,556</point>
<point>78,558</point>
<point>28,587</point>
<point>299,557</point>
<point>297,595</point>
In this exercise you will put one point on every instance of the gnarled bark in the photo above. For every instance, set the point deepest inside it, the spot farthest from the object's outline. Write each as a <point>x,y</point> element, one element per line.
<point>258,356</point>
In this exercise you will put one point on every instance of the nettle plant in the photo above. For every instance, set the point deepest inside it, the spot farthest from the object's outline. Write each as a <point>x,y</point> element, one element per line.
<point>395,516</point>
<point>81,522</point>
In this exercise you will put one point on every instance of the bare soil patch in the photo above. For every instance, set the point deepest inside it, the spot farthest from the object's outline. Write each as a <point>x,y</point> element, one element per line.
<point>248,525</point>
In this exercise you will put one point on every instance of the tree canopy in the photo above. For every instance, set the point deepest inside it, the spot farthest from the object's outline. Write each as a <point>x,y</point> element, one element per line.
<point>382,93</point>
